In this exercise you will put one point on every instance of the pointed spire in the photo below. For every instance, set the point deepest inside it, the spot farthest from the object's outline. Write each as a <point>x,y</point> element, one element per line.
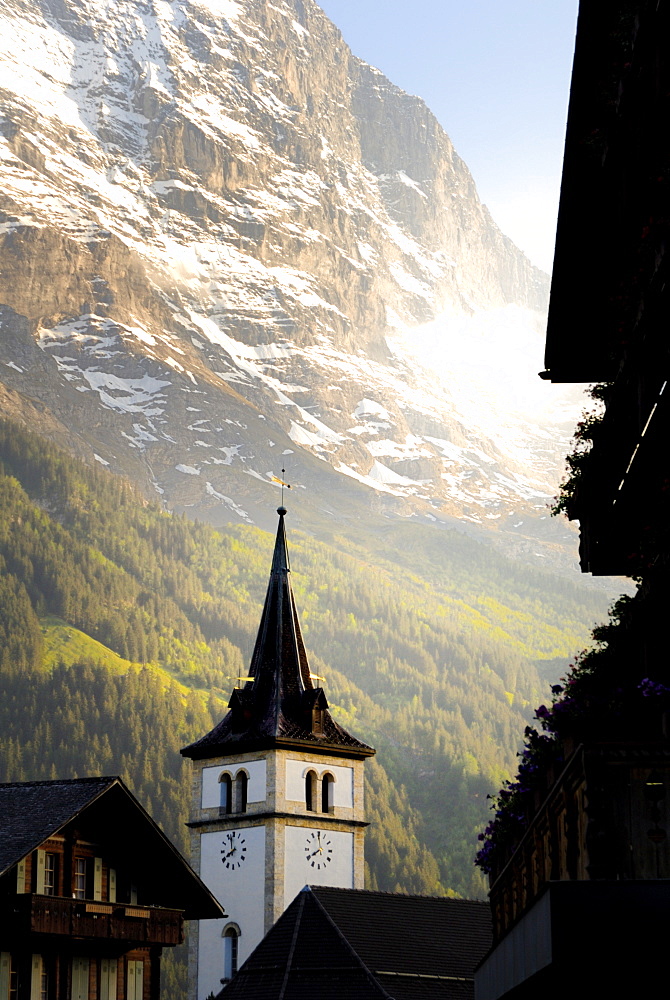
<point>279,666</point>
<point>280,560</point>
<point>278,704</point>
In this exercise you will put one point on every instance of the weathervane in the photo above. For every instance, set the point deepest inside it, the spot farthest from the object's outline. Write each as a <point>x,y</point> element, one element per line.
<point>275,479</point>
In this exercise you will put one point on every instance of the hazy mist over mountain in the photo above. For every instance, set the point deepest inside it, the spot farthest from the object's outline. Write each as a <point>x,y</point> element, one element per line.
<point>231,246</point>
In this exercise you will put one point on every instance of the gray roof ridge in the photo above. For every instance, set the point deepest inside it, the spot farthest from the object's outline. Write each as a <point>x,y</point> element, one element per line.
<point>398,895</point>
<point>91,779</point>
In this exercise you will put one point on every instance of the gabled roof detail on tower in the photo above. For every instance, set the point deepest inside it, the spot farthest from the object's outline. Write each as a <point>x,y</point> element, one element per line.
<point>279,704</point>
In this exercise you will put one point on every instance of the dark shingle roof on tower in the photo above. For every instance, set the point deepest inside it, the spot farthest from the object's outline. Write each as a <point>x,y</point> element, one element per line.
<point>276,707</point>
<point>346,943</point>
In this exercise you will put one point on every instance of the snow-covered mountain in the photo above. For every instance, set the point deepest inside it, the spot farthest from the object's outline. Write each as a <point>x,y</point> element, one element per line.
<point>229,246</point>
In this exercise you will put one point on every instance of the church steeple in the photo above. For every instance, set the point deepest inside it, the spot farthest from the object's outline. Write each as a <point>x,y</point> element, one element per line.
<point>278,706</point>
<point>278,793</point>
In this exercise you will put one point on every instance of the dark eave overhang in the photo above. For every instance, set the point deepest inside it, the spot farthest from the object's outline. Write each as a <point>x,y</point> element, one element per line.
<point>229,749</point>
<point>613,203</point>
<point>251,818</point>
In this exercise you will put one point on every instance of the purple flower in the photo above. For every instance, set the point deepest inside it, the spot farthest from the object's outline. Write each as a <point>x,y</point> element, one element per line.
<point>652,689</point>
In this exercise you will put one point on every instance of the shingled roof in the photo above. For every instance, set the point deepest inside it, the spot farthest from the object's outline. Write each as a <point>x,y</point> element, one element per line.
<point>102,807</point>
<point>276,707</point>
<point>348,944</point>
<point>32,811</point>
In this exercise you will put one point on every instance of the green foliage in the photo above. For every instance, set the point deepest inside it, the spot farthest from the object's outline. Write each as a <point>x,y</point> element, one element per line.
<point>577,461</point>
<point>82,719</point>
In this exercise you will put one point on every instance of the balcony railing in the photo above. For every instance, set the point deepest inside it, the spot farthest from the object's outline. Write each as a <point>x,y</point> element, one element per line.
<point>88,919</point>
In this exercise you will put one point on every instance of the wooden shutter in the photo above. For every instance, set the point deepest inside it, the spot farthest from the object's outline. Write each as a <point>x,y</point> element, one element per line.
<point>20,878</point>
<point>112,885</point>
<point>79,979</point>
<point>39,884</point>
<point>108,972</point>
<point>135,990</point>
<point>5,974</point>
<point>36,977</point>
<point>97,878</point>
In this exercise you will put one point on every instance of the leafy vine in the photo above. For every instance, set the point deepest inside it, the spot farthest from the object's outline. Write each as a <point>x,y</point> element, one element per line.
<point>585,434</point>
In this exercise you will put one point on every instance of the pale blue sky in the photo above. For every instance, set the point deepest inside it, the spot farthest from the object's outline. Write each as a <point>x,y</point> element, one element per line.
<point>496,73</point>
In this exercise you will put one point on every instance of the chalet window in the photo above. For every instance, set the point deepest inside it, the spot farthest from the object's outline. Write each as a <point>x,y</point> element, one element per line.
<point>230,950</point>
<point>226,794</point>
<point>50,874</point>
<point>327,793</point>
<point>310,786</point>
<point>79,878</point>
<point>241,782</point>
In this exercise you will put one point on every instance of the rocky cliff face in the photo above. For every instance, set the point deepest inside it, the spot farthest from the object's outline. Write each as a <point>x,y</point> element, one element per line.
<point>216,227</point>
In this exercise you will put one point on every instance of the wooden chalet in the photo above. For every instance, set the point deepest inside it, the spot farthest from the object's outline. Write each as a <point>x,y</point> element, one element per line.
<point>91,891</point>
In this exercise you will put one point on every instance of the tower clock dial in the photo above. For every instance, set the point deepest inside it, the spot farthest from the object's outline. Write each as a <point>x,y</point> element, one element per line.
<point>233,850</point>
<point>318,850</point>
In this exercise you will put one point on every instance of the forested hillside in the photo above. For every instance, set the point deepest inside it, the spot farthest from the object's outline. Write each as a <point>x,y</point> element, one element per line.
<point>123,628</point>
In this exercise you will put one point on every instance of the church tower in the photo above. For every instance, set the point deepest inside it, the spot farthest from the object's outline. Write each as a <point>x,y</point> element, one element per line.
<point>277,794</point>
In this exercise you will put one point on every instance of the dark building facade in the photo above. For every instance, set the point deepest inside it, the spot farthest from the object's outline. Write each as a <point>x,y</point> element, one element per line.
<point>579,859</point>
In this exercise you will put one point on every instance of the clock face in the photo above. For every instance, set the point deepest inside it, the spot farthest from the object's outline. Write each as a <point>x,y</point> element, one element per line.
<point>318,850</point>
<point>233,850</point>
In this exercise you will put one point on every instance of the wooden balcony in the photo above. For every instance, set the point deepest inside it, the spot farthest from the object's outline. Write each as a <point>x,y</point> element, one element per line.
<point>606,817</point>
<point>78,918</point>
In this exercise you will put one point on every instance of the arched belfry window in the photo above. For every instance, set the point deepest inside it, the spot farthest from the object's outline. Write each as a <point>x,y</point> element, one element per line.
<point>310,791</point>
<point>327,793</point>
<point>241,785</point>
<point>226,793</point>
<point>230,935</point>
